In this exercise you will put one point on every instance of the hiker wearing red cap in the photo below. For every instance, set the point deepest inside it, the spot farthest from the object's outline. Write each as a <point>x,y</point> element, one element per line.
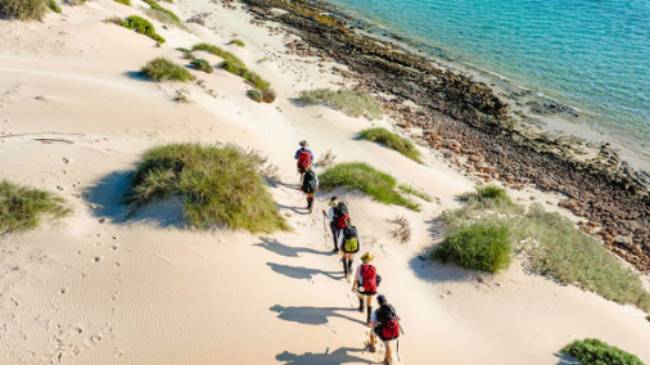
<point>384,324</point>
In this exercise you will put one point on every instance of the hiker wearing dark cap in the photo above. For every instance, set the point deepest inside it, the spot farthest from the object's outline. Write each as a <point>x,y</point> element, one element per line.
<point>350,243</point>
<point>384,324</point>
<point>337,215</point>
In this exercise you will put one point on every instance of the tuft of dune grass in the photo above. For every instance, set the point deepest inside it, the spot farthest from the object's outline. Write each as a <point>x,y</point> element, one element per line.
<point>22,208</point>
<point>123,2</point>
<point>552,244</point>
<point>162,69</point>
<point>220,186</point>
<point>379,185</point>
<point>201,65</point>
<point>23,9</point>
<point>142,26</point>
<point>391,140</point>
<point>592,351</point>
<point>353,103</point>
<point>162,14</point>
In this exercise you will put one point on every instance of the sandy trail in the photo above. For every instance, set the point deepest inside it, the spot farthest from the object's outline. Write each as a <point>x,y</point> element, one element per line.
<point>99,289</point>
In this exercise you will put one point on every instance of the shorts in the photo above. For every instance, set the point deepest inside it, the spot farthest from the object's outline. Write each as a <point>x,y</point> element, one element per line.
<point>366,293</point>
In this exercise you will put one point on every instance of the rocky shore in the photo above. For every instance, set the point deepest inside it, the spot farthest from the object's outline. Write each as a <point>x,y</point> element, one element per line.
<point>472,127</point>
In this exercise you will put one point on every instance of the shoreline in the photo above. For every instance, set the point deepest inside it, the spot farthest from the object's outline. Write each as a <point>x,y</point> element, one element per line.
<point>556,115</point>
<point>476,131</point>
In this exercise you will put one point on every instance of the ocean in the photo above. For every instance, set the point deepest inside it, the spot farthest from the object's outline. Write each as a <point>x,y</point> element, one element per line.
<point>593,55</point>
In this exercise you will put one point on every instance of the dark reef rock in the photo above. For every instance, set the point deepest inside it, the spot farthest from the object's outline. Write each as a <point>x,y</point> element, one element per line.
<point>460,116</point>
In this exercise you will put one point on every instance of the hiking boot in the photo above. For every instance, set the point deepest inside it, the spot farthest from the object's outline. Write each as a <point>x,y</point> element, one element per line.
<point>370,347</point>
<point>388,362</point>
<point>336,250</point>
<point>361,305</point>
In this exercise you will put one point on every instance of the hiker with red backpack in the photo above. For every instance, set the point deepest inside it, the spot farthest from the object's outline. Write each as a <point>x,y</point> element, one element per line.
<point>350,244</point>
<point>310,187</point>
<point>337,216</point>
<point>385,325</point>
<point>365,284</point>
<point>304,157</point>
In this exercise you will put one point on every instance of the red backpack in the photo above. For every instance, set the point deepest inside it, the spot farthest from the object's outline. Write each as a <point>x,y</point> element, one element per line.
<point>342,220</point>
<point>389,323</point>
<point>368,278</point>
<point>304,159</point>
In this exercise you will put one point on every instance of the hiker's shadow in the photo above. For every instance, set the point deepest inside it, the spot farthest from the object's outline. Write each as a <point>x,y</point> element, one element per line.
<point>312,315</point>
<point>342,355</point>
<point>275,246</point>
<point>304,273</point>
<point>297,210</point>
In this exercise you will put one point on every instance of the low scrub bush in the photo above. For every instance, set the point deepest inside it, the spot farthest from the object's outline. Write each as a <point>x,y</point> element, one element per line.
<point>54,6</point>
<point>142,26</point>
<point>480,246</point>
<point>124,2</point>
<point>352,103</point>
<point>22,208</point>
<point>238,42</point>
<point>162,69</point>
<point>365,178</point>
<point>391,140</point>
<point>268,96</point>
<point>201,65</point>
<point>220,186</point>
<point>326,159</point>
<point>23,9</point>
<point>254,95</point>
<point>402,231</point>
<point>591,351</point>
<point>161,14</point>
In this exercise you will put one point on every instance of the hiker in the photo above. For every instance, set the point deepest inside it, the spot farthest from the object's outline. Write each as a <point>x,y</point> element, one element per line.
<point>310,187</point>
<point>365,284</point>
<point>304,157</point>
<point>350,243</point>
<point>385,325</point>
<point>337,216</point>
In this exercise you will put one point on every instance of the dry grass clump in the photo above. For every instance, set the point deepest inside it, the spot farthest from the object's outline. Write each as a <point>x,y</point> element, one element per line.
<point>350,102</point>
<point>238,43</point>
<point>181,97</point>
<point>162,69</point>
<point>23,9</point>
<point>123,2</point>
<point>142,26</point>
<point>365,178</point>
<point>161,14</point>
<point>220,186</point>
<point>22,208</point>
<point>403,230</point>
<point>201,65</point>
<point>415,192</point>
<point>391,140</point>
<point>326,159</point>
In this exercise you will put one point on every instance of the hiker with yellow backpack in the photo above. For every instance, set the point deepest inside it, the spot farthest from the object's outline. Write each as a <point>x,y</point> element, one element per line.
<point>350,243</point>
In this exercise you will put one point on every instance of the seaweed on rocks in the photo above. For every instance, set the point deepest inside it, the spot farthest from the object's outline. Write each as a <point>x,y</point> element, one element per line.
<point>463,117</point>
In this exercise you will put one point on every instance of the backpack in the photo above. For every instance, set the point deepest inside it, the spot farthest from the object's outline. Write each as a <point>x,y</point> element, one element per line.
<point>389,323</point>
<point>304,158</point>
<point>310,183</point>
<point>350,240</point>
<point>368,278</point>
<point>341,215</point>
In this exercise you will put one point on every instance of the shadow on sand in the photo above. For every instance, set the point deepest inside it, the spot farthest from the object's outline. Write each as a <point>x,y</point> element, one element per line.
<point>313,315</point>
<point>564,359</point>
<point>342,355</point>
<point>304,273</point>
<point>108,199</point>
<point>138,76</point>
<point>275,246</point>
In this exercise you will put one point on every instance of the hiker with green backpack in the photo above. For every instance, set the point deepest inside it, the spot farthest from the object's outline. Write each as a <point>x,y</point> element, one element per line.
<point>350,244</point>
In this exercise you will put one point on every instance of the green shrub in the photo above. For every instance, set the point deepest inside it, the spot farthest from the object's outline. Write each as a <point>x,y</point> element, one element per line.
<point>391,140</point>
<point>142,26</point>
<point>187,53</point>
<point>415,192</point>
<point>591,351</point>
<point>352,103</point>
<point>21,208</point>
<point>356,175</point>
<point>161,69</point>
<point>254,95</point>
<point>124,2</point>
<point>268,96</point>
<point>219,185</point>
<point>234,65</point>
<point>23,9</point>
<point>52,4</point>
<point>238,42</point>
<point>161,14</point>
<point>480,246</point>
<point>201,65</point>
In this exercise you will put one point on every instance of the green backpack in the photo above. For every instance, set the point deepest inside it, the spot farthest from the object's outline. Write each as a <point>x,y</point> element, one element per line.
<point>350,241</point>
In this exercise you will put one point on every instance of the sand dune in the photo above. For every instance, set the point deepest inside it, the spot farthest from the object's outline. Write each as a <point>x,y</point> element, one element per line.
<point>97,288</point>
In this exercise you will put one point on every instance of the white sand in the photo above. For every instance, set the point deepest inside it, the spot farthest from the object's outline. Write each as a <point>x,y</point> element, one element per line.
<point>145,292</point>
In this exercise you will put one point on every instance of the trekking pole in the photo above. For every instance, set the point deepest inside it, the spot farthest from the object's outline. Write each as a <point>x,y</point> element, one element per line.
<point>402,331</point>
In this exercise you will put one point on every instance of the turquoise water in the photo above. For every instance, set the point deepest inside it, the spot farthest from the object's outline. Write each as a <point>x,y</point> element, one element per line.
<point>591,54</point>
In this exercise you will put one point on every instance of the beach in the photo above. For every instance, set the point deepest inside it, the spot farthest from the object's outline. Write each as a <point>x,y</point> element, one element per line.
<point>106,287</point>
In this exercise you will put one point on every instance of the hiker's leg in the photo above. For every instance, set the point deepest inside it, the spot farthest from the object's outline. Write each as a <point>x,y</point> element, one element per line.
<point>345,266</point>
<point>310,201</point>
<point>389,352</point>
<point>369,305</point>
<point>335,235</point>
<point>371,342</point>
<point>360,303</point>
<point>350,263</point>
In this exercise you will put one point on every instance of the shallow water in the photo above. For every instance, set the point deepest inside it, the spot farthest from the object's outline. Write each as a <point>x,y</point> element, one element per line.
<point>590,54</point>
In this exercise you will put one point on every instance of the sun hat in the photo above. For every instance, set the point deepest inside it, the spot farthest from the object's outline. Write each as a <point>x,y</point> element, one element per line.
<point>367,257</point>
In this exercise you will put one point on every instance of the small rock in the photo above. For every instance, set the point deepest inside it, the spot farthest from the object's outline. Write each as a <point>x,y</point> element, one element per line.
<point>98,259</point>
<point>102,220</point>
